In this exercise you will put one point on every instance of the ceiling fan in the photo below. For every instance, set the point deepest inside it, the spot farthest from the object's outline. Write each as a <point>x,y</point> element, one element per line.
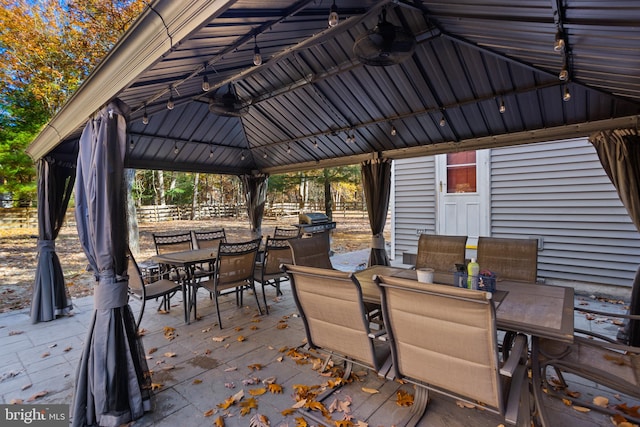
<point>228,104</point>
<point>385,44</point>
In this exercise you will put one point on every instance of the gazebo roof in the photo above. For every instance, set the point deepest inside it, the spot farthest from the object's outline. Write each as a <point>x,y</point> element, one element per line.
<point>313,103</point>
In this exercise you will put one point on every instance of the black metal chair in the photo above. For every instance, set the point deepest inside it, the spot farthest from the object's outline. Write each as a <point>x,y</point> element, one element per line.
<point>144,290</point>
<point>286,232</point>
<point>176,242</point>
<point>276,252</point>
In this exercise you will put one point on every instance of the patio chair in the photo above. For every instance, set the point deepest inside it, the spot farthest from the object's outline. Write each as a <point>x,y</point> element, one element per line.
<point>276,252</point>
<point>233,272</point>
<point>207,239</point>
<point>286,232</point>
<point>441,252</point>
<point>444,339</point>
<point>176,242</point>
<point>334,316</point>
<point>510,259</point>
<point>145,290</point>
<point>607,361</point>
<point>311,251</point>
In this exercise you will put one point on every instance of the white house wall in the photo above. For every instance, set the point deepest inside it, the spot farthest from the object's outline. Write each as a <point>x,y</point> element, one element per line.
<point>556,191</point>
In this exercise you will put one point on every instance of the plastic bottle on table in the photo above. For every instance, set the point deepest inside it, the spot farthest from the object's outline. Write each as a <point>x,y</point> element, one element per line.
<point>473,272</point>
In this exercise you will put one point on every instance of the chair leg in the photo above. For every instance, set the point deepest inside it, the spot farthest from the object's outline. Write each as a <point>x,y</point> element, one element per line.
<point>255,294</point>
<point>264,297</point>
<point>218,310</point>
<point>140,315</point>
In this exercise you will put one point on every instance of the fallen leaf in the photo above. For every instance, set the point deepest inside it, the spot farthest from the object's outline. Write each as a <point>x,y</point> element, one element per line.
<point>344,423</point>
<point>404,398</point>
<point>169,354</point>
<point>152,350</point>
<point>238,328</point>
<point>26,386</point>
<point>241,338</point>
<point>45,354</point>
<point>15,402</point>
<point>197,381</point>
<point>219,422</point>
<point>259,420</point>
<point>38,395</point>
<point>581,408</point>
<point>156,386</point>
<point>247,405</point>
<point>15,332</point>
<point>255,366</point>
<point>219,339</point>
<point>53,345</point>
<point>233,368</point>
<point>567,402</point>
<point>67,349</point>
<point>209,412</point>
<point>257,391</point>
<point>275,388</point>
<point>301,422</point>
<point>253,328</point>
<point>574,394</point>
<point>600,401</point>
<point>282,326</point>
<point>462,404</point>
<point>370,390</point>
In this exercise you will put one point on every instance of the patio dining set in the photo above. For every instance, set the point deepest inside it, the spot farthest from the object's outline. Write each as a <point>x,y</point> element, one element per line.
<point>473,345</point>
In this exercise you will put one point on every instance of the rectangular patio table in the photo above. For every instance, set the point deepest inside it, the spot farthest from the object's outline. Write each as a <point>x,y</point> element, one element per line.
<point>534,309</point>
<point>188,260</point>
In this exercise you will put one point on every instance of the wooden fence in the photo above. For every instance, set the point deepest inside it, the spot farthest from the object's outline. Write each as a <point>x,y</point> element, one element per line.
<point>28,217</point>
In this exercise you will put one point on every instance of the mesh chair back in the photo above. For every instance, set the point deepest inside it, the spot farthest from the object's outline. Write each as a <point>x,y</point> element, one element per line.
<point>173,242</point>
<point>510,259</point>
<point>331,307</point>
<point>235,263</point>
<point>277,252</point>
<point>441,253</point>
<point>136,284</point>
<point>443,336</point>
<point>312,251</point>
<point>288,232</point>
<point>209,239</point>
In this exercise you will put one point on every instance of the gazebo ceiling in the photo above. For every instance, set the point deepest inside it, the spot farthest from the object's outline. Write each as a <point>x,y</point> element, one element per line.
<point>313,103</point>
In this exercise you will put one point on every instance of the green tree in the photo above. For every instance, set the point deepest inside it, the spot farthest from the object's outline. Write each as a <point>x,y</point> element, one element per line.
<point>47,48</point>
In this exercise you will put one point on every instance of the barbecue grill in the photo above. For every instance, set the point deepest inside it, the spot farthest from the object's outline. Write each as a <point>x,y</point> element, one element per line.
<point>316,223</point>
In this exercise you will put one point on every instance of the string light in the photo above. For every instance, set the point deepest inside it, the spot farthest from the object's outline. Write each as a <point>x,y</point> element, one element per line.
<point>205,84</point>
<point>558,44</point>
<point>257,58</point>
<point>242,156</point>
<point>211,153</point>
<point>288,149</point>
<point>145,117</point>
<point>564,73</point>
<point>170,103</point>
<point>264,156</point>
<point>394,131</point>
<point>566,96</point>
<point>333,15</point>
<point>502,108</point>
<point>315,143</point>
<point>175,149</point>
<point>443,122</point>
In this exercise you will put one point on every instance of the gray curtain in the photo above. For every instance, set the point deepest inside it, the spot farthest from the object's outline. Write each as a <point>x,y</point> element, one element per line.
<point>255,196</point>
<point>376,181</point>
<point>619,153</point>
<point>55,185</point>
<point>112,381</point>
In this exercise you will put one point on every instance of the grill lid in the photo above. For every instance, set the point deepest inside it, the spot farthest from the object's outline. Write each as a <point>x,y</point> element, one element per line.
<point>313,218</point>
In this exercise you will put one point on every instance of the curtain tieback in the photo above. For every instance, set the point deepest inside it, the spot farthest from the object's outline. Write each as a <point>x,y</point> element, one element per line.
<point>46,244</point>
<point>377,242</point>
<point>110,291</point>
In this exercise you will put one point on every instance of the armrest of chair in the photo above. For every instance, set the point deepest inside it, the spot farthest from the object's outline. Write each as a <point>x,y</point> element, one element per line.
<point>379,335</point>
<point>515,367</point>
<point>519,353</point>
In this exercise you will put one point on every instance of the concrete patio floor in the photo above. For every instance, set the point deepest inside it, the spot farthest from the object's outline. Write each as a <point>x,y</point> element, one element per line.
<point>196,370</point>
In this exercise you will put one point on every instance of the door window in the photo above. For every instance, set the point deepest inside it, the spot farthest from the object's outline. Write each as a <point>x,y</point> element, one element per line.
<point>461,172</point>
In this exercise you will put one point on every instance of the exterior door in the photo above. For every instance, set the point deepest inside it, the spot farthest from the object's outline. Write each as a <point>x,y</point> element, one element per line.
<point>463,194</point>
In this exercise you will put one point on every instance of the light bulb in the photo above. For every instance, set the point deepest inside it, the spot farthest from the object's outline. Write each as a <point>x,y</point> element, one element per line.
<point>170,103</point>
<point>443,122</point>
<point>288,149</point>
<point>205,84</point>
<point>211,153</point>
<point>145,118</point>
<point>394,131</point>
<point>333,15</point>
<point>264,156</point>
<point>315,143</point>
<point>558,45</point>
<point>564,74</point>
<point>175,149</point>
<point>257,58</point>
<point>242,156</point>
<point>503,108</point>
<point>567,95</point>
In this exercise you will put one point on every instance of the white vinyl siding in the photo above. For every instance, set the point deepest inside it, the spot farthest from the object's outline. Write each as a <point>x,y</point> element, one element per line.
<point>556,191</point>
